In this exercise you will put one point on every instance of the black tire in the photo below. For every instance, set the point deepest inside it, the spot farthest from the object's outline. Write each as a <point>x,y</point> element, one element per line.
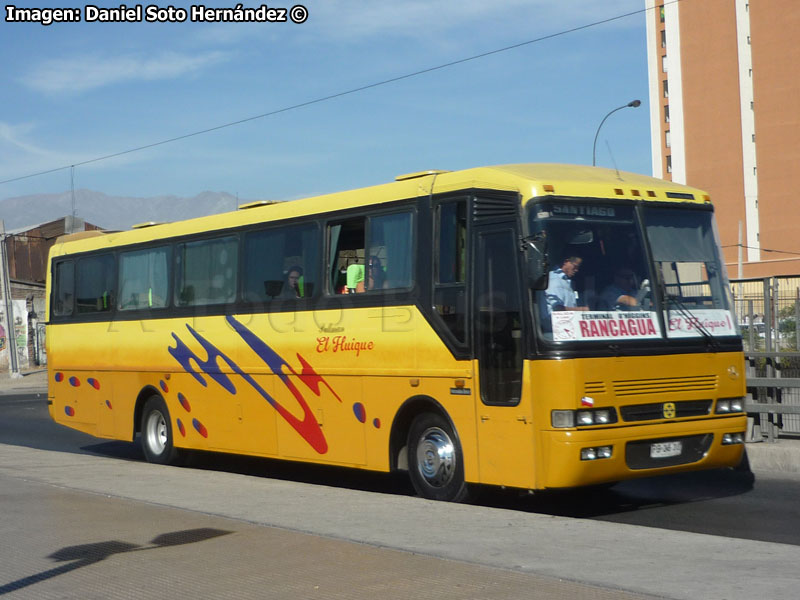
<point>435,459</point>
<point>156,433</point>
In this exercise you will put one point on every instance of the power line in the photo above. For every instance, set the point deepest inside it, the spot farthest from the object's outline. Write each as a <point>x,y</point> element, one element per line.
<point>762,249</point>
<point>340,94</point>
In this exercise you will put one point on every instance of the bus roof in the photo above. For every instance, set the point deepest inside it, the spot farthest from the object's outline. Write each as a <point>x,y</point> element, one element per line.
<point>529,180</point>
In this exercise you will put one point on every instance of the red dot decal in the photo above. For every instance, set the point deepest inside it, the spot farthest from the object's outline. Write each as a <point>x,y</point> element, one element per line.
<point>70,411</point>
<point>108,404</point>
<point>163,385</point>
<point>201,429</point>
<point>59,377</point>
<point>74,382</point>
<point>181,428</point>
<point>184,402</point>
<point>93,382</point>
<point>376,423</point>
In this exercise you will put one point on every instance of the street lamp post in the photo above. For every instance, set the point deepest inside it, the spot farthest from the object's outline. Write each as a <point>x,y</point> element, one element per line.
<point>632,104</point>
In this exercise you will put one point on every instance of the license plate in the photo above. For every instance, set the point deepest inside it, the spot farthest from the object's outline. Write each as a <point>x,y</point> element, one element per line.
<point>665,449</point>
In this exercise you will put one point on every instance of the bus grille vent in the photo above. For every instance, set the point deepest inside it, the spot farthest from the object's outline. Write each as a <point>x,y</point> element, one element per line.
<point>594,388</point>
<point>667,385</point>
<point>487,207</point>
<point>651,412</point>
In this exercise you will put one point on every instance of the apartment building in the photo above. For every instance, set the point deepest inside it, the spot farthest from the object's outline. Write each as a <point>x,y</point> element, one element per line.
<point>724,81</point>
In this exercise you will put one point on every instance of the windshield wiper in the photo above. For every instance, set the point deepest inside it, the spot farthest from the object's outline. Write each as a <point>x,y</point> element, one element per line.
<point>693,320</point>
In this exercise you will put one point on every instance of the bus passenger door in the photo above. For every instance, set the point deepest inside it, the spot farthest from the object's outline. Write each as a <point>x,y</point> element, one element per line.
<point>505,429</point>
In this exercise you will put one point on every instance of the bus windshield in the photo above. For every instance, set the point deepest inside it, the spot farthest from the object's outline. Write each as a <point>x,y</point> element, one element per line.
<point>601,286</point>
<point>696,293</point>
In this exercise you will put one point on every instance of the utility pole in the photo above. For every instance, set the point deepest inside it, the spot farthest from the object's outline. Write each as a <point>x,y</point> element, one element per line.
<point>741,246</point>
<point>8,313</point>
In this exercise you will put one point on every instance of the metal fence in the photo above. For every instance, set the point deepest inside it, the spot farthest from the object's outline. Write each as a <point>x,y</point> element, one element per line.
<point>768,311</point>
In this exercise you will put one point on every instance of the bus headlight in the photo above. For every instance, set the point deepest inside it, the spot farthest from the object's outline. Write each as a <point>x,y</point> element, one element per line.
<point>602,416</point>
<point>563,418</point>
<point>596,453</point>
<point>584,417</point>
<point>730,405</point>
<point>730,439</point>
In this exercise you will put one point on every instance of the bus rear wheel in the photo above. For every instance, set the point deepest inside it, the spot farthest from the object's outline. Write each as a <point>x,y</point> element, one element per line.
<point>435,460</point>
<point>156,433</point>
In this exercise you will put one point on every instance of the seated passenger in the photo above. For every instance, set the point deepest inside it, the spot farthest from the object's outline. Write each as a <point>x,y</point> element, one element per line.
<point>560,294</point>
<point>291,287</point>
<point>355,278</point>
<point>376,275</point>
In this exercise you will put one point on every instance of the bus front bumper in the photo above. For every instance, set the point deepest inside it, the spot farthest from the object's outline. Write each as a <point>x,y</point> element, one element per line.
<point>593,456</point>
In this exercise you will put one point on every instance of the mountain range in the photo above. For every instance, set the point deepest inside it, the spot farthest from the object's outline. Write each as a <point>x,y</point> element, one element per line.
<point>111,212</point>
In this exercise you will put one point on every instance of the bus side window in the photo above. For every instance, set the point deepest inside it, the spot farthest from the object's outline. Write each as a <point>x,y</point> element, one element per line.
<point>143,278</point>
<point>63,289</point>
<point>450,260</point>
<point>95,284</point>
<point>281,263</point>
<point>388,263</point>
<point>346,260</point>
<point>206,271</point>
<point>391,243</point>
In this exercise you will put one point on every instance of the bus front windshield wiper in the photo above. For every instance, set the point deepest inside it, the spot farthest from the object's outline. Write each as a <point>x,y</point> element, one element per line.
<point>691,318</point>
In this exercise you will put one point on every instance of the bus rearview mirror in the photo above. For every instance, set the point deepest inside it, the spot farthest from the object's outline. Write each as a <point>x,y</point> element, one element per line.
<point>535,249</point>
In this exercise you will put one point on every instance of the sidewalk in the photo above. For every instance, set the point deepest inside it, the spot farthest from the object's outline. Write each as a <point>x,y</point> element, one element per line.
<point>783,455</point>
<point>31,381</point>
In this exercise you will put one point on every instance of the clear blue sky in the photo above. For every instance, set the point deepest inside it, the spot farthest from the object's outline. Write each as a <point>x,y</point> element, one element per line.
<point>74,92</point>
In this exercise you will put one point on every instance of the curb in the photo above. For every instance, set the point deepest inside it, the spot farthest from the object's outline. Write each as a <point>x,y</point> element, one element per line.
<point>26,391</point>
<point>783,455</point>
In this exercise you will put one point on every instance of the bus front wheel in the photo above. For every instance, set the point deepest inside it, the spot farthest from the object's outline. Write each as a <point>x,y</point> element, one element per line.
<point>435,460</point>
<point>156,433</point>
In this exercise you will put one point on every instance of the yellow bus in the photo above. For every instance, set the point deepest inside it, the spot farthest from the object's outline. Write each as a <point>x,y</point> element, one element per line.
<point>532,326</point>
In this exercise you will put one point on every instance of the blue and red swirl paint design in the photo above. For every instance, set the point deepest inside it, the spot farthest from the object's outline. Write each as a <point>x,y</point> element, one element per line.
<point>210,366</point>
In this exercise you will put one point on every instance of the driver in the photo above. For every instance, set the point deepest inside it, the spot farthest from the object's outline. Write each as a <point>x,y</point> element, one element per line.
<point>622,291</point>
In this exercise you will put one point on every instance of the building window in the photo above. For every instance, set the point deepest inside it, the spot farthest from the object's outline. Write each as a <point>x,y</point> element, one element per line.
<point>666,88</point>
<point>669,163</point>
<point>666,113</point>
<point>664,63</point>
<point>666,138</point>
<point>663,38</point>
<point>661,13</point>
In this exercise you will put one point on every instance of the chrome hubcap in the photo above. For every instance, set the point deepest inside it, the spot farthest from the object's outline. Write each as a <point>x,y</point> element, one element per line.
<point>436,457</point>
<point>156,432</point>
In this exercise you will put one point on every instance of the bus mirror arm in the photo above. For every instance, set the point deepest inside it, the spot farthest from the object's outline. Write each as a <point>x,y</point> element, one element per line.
<point>535,249</point>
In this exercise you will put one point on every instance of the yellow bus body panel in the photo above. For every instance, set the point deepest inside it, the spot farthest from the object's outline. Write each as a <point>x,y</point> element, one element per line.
<point>327,389</point>
<point>627,381</point>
